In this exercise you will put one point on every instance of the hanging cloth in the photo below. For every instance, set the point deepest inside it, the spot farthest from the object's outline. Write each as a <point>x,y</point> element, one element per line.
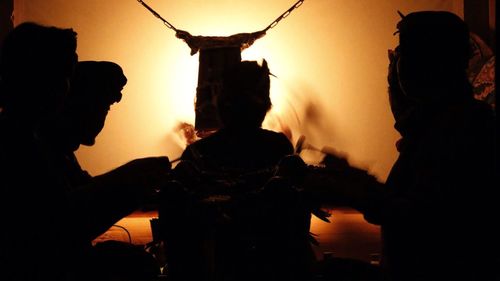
<point>240,40</point>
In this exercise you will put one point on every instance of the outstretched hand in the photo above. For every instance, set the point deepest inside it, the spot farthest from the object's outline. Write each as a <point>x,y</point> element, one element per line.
<point>335,183</point>
<point>147,173</point>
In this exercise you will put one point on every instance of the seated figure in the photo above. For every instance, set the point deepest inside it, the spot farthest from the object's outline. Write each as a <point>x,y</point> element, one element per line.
<point>95,87</point>
<point>226,220</point>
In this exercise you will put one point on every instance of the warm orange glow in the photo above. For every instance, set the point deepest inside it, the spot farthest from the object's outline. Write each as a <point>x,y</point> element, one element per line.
<point>330,58</point>
<point>348,235</point>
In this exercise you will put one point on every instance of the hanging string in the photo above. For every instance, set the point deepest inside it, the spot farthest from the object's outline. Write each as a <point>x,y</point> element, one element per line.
<point>272,25</point>
<point>165,22</point>
<point>284,15</point>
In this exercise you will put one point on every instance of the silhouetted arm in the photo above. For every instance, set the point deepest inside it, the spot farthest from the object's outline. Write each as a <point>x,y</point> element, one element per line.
<point>110,197</point>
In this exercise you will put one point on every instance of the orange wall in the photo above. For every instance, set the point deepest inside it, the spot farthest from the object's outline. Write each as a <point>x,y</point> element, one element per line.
<point>330,57</point>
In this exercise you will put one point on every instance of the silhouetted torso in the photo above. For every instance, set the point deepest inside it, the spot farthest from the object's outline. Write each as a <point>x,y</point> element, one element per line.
<point>444,176</point>
<point>33,200</point>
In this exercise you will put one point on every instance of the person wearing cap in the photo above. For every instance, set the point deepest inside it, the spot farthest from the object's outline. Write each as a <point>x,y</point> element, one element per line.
<point>95,87</point>
<point>436,209</point>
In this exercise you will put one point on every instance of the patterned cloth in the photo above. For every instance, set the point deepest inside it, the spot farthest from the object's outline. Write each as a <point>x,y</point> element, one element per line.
<point>482,70</point>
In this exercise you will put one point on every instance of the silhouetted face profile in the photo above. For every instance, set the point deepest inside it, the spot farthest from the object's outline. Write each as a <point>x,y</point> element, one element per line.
<point>434,52</point>
<point>95,87</point>
<point>244,98</point>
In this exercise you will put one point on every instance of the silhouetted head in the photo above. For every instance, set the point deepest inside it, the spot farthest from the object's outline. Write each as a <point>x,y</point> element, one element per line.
<point>36,64</point>
<point>96,85</point>
<point>244,97</point>
<point>434,52</point>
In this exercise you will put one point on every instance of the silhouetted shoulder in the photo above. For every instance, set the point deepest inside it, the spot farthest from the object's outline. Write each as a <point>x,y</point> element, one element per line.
<point>246,149</point>
<point>471,120</point>
<point>279,139</point>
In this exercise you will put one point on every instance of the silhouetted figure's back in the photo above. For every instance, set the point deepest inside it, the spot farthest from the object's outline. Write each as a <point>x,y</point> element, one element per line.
<point>239,150</point>
<point>232,225</point>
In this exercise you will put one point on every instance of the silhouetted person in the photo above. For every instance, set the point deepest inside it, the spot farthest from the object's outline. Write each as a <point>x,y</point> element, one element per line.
<point>95,87</point>
<point>437,209</point>
<point>36,65</point>
<point>227,166</point>
<point>46,223</point>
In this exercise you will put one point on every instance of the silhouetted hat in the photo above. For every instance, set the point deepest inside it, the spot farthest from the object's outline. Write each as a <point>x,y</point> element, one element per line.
<point>93,79</point>
<point>435,35</point>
